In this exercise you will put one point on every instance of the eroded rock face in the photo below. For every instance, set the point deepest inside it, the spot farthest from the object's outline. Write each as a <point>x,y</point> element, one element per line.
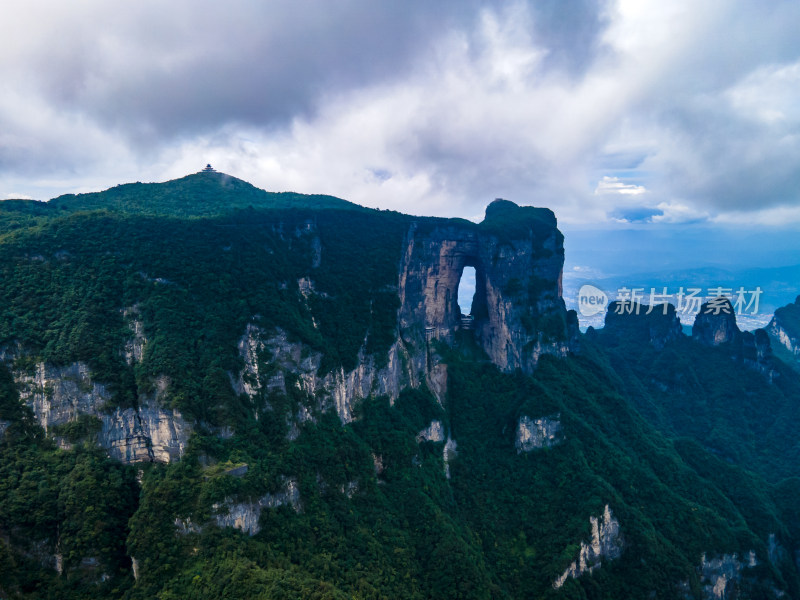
<point>186,526</point>
<point>339,389</point>
<point>245,515</point>
<point>606,543</point>
<point>432,433</point>
<point>723,575</point>
<point>149,433</point>
<point>518,311</point>
<point>437,382</point>
<point>60,395</point>
<point>756,352</point>
<point>785,327</point>
<point>715,324</point>
<point>533,434</point>
<point>135,568</point>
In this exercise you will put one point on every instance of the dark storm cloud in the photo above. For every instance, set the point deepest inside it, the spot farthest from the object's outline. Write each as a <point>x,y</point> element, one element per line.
<point>156,70</point>
<point>601,110</point>
<point>189,66</point>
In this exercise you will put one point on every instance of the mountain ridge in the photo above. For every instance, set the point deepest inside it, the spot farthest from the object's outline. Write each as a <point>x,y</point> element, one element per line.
<point>288,402</point>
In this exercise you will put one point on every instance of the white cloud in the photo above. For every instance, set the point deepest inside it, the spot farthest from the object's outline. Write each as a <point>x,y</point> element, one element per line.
<point>614,185</point>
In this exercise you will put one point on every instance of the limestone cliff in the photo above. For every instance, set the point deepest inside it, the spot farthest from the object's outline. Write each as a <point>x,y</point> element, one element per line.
<point>722,576</point>
<point>715,324</point>
<point>532,434</point>
<point>606,543</point>
<point>246,515</point>
<point>785,327</point>
<point>432,433</point>
<point>518,313</point>
<point>60,395</point>
<point>449,453</point>
<point>270,359</point>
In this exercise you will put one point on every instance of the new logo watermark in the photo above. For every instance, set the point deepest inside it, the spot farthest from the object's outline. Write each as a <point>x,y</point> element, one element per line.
<point>591,300</point>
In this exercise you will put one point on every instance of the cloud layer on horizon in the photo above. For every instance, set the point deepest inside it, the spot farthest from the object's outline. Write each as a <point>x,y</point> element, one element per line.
<point>632,110</point>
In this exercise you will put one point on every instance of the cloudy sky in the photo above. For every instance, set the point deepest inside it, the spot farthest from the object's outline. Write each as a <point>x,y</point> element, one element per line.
<point>608,112</point>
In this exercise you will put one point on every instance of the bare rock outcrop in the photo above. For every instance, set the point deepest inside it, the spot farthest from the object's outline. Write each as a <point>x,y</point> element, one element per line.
<point>246,515</point>
<point>785,327</point>
<point>715,324</point>
<point>60,395</point>
<point>722,576</point>
<point>271,359</point>
<point>449,452</point>
<point>606,543</point>
<point>432,433</point>
<point>533,434</point>
<point>134,347</point>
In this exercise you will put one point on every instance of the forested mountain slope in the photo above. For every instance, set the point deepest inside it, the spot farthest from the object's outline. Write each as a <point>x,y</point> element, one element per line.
<point>212,391</point>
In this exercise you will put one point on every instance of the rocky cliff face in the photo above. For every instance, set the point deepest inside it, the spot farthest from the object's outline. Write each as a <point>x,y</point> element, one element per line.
<point>722,576</point>
<point>518,312</point>
<point>715,324</point>
<point>518,315</point>
<point>149,433</point>
<point>271,359</point>
<point>432,433</point>
<point>606,543</point>
<point>61,395</point>
<point>785,327</point>
<point>449,453</point>
<point>245,516</point>
<point>533,434</point>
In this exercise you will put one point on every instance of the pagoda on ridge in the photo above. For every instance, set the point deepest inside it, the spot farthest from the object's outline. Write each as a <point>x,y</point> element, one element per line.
<point>209,169</point>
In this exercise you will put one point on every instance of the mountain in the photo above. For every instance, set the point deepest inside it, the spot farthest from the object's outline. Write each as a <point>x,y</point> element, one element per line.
<point>199,194</point>
<point>208,390</point>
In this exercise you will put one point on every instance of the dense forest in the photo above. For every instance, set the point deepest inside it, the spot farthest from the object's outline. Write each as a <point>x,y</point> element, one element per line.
<point>691,451</point>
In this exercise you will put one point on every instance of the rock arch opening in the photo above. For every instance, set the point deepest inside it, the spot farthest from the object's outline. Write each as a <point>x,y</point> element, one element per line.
<point>469,307</point>
<point>466,290</point>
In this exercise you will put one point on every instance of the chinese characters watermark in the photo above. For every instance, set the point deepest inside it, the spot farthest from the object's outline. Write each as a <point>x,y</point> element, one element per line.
<point>718,300</point>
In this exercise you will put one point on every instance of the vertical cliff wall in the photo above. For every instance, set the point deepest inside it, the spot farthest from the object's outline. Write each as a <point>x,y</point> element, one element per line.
<point>518,256</point>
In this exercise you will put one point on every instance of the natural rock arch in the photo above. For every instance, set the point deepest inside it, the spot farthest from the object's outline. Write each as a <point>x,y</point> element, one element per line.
<point>518,257</point>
